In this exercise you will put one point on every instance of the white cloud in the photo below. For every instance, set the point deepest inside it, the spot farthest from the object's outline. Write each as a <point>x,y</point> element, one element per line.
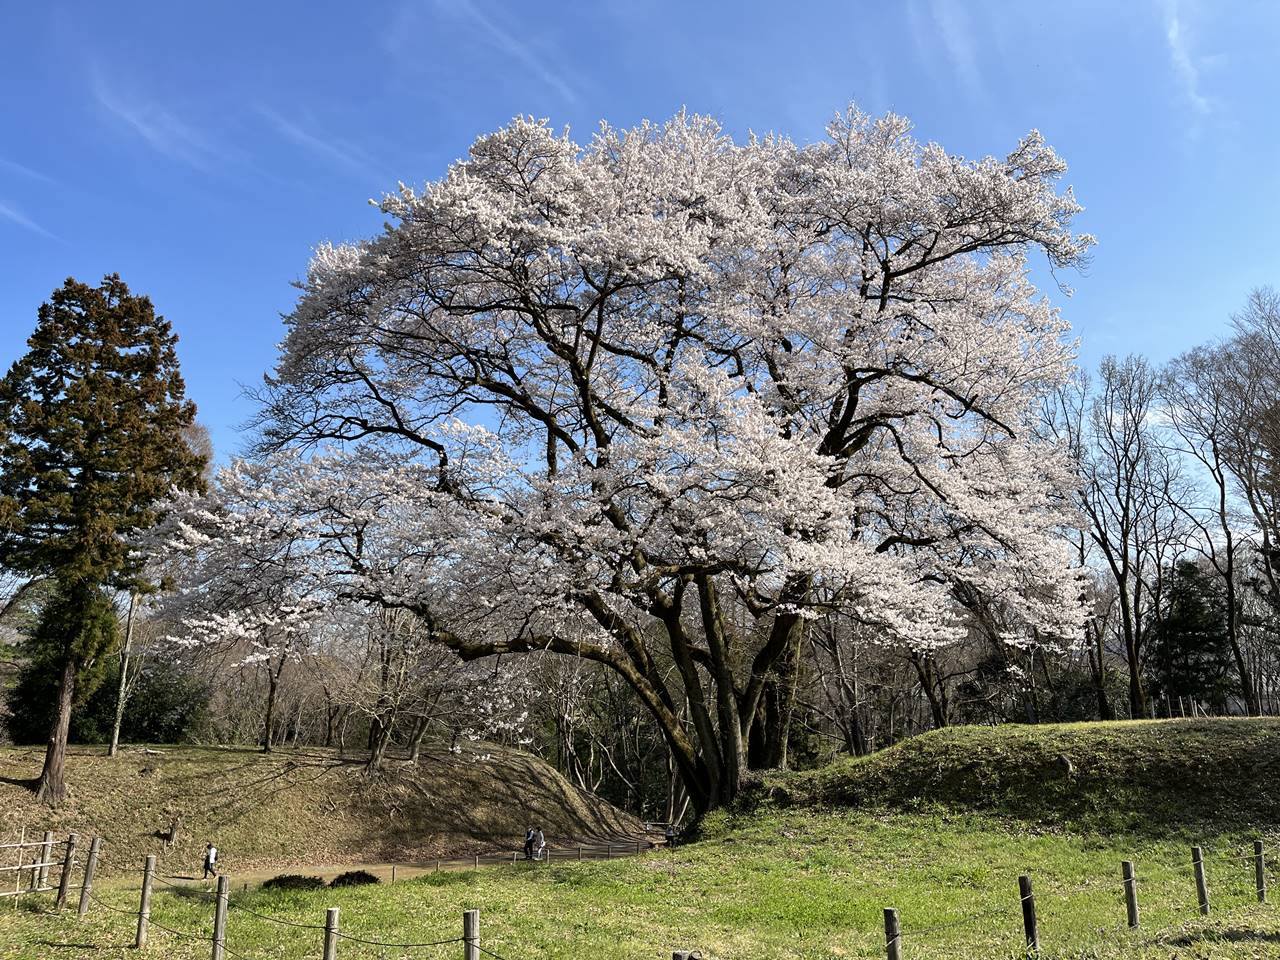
<point>958,43</point>
<point>16,216</point>
<point>1179,37</point>
<point>14,167</point>
<point>413,21</point>
<point>341,153</point>
<point>162,130</point>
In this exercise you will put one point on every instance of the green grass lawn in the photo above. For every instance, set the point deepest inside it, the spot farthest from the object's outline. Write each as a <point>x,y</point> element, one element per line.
<point>776,883</point>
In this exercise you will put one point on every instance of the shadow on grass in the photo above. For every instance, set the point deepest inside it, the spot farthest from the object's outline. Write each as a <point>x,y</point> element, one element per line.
<point>1231,935</point>
<point>68,946</point>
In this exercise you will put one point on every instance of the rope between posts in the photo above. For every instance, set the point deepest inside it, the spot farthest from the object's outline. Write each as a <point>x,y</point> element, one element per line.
<point>382,943</point>
<point>186,890</point>
<point>951,924</point>
<point>489,952</point>
<point>269,919</point>
<point>205,938</point>
<point>128,913</point>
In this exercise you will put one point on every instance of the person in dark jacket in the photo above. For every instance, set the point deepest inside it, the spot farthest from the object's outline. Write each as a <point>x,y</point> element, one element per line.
<point>528,844</point>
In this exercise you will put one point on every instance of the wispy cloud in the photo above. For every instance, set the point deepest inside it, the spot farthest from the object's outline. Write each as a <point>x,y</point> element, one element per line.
<point>508,43</point>
<point>158,127</point>
<point>16,216</point>
<point>1178,36</point>
<point>945,45</point>
<point>339,152</point>
<point>12,166</point>
<point>957,42</point>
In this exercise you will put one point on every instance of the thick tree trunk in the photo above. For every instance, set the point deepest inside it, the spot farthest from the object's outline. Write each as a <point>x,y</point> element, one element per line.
<point>733,753</point>
<point>1137,695</point>
<point>1248,690</point>
<point>1098,669</point>
<point>51,788</point>
<point>415,742</point>
<point>924,670</point>
<point>378,749</point>
<point>269,719</point>
<point>123,689</point>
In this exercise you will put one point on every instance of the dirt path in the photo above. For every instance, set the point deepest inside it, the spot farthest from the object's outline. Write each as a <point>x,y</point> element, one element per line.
<point>389,872</point>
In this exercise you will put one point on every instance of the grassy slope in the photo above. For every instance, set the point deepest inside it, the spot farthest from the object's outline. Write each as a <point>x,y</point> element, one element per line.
<point>804,881</point>
<point>1148,776</point>
<point>303,807</point>
<point>791,884</point>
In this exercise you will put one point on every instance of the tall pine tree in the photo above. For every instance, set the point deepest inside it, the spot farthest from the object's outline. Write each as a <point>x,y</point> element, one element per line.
<point>93,419</point>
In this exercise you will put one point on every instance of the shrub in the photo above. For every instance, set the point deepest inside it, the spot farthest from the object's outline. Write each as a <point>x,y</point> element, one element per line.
<point>294,881</point>
<point>354,878</point>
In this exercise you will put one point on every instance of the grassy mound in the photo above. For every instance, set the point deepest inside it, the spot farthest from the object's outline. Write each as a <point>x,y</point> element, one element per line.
<point>1145,776</point>
<point>302,807</point>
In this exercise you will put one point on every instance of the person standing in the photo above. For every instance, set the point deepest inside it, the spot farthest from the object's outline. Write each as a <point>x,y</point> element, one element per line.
<point>539,843</point>
<point>210,860</point>
<point>528,844</point>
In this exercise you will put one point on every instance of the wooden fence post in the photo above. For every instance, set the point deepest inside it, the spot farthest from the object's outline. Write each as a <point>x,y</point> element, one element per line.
<point>579,851</point>
<point>892,934</point>
<point>393,873</point>
<point>144,905</point>
<point>1029,926</point>
<point>1130,893</point>
<point>437,864</point>
<point>610,856</point>
<point>1259,871</point>
<point>637,846</point>
<point>86,885</point>
<point>42,872</point>
<point>1202,887</point>
<point>477,864</point>
<point>22,852</point>
<point>68,864</point>
<point>331,934</point>
<point>471,934</point>
<point>220,918</point>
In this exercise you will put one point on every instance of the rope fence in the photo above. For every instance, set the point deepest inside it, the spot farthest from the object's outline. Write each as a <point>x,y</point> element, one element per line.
<point>897,936</point>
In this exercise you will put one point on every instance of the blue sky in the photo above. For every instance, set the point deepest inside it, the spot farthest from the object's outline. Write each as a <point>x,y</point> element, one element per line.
<point>202,150</point>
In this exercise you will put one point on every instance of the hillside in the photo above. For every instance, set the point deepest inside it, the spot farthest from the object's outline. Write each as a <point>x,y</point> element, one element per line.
<point>1139,777</point>
<point>304,807</point>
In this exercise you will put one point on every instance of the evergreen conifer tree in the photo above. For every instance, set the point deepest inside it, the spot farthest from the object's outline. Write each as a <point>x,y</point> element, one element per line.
<point>91,441</point>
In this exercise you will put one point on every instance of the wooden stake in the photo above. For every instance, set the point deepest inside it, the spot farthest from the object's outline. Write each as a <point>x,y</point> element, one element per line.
<point>1130,893</point>
<point>46,851</point>
<point>220,918</point>
<point>144,905</point>
<point>1202,887</point>
<point>68,864</point>
<point>331,934</point>
<point>892,935</point>
<point>1259,871</point>
<point>471,934</point>
<point>1029,925</point>
<point>86,886</point>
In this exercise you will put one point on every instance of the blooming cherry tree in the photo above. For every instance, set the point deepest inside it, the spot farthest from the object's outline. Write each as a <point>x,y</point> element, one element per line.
<point>659,399</point>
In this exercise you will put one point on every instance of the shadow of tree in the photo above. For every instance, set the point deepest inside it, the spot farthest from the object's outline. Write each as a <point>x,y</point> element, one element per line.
<point>1229,935</point>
